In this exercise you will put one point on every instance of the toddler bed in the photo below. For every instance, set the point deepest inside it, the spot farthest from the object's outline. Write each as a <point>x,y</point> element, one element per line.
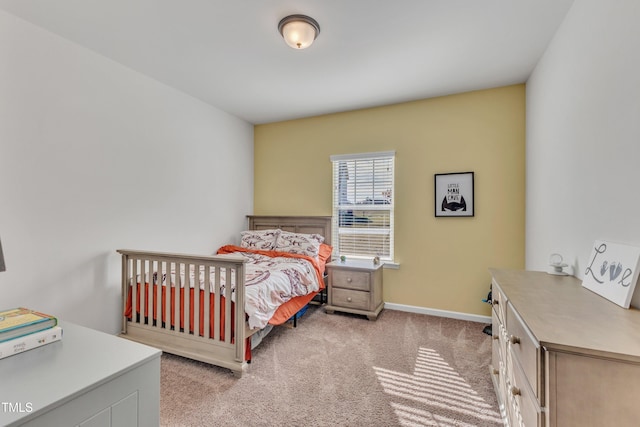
<point>186,304</point>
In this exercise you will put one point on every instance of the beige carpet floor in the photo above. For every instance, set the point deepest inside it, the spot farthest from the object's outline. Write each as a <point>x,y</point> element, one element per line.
<point>404,369</point>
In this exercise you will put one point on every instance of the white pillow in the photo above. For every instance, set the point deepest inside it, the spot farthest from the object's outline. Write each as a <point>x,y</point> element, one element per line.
<point>264,240</point>
<point>299,243</point>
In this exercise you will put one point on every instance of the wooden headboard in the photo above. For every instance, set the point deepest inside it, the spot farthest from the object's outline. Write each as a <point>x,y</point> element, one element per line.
<point>295,224</point>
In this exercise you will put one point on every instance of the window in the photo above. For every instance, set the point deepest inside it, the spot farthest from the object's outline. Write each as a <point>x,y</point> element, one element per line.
<point>363,205</point>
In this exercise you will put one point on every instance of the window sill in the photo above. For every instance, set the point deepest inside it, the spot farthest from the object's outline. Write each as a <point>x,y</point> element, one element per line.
<point>391,265</point>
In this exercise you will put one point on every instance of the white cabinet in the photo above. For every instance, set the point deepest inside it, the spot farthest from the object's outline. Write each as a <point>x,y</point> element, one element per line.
<point>88,379</point>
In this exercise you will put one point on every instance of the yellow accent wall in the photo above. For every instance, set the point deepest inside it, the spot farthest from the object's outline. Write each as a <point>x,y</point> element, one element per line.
<point>443,261</point>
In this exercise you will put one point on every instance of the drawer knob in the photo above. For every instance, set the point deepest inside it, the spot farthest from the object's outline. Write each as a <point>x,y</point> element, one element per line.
<point>515,391</point>
<point>495,336</point>
<point>495,302</point>
<point>514,339</point>
<point>348,299</point>
<point>495,371</point>
<point>349,280</point>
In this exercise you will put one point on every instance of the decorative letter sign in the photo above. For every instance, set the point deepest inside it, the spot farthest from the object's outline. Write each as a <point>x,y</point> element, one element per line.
<point>612,271</point>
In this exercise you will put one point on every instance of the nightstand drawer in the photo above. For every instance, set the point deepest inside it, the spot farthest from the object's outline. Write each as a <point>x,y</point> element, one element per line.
<point>350,299</point>
<point>358,280</point>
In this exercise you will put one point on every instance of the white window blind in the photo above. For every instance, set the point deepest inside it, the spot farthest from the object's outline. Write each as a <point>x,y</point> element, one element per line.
<point>363,201</point>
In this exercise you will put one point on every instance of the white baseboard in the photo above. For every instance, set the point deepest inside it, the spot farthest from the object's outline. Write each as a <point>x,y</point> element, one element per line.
<point>439,313</point>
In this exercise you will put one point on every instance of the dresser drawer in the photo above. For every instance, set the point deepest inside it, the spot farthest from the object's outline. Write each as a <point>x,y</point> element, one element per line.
<point>348,279</point>
<point>524,348</point>
<point>498,301</point>
<point>496,352</point>
<point>497,358</point>
<point>526,407</point>
<point>358,300</point>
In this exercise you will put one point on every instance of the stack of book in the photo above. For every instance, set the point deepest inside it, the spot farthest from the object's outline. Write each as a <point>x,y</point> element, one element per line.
<point>22,329</point>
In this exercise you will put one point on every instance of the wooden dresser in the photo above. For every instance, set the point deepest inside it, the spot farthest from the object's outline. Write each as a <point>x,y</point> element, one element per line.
<point>355,286</point>
<point>562,355</point>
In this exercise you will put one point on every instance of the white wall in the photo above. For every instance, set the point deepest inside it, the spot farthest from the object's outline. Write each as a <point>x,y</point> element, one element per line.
<point>96,157</point>
<point>583,135</point>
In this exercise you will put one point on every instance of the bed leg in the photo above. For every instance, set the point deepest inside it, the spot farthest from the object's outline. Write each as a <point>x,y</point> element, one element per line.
<point>239,372</point>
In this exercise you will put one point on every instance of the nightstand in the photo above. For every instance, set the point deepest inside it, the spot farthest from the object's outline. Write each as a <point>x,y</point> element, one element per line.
<point>355,286</point>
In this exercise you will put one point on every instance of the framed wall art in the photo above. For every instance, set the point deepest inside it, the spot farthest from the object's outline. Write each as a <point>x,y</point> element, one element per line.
<point>454,194</point>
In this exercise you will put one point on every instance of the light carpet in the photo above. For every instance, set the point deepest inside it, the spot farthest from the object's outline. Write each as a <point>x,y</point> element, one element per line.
<point>404,369</point>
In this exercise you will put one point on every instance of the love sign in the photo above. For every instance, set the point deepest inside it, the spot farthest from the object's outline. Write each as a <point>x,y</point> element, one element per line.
<point>612,271</point>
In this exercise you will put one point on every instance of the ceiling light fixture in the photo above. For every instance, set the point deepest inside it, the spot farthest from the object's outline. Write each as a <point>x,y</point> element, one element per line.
<point>299,31</point>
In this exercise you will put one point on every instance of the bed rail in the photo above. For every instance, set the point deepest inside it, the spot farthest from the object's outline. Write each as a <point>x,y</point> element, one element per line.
<point>157,309</point>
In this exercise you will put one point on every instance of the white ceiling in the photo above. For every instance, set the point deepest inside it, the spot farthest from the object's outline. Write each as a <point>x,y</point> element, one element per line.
<point>229,53</point>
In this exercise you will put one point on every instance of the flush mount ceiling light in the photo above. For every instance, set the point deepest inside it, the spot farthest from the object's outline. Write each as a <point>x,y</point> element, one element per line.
<point>299,31</point>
